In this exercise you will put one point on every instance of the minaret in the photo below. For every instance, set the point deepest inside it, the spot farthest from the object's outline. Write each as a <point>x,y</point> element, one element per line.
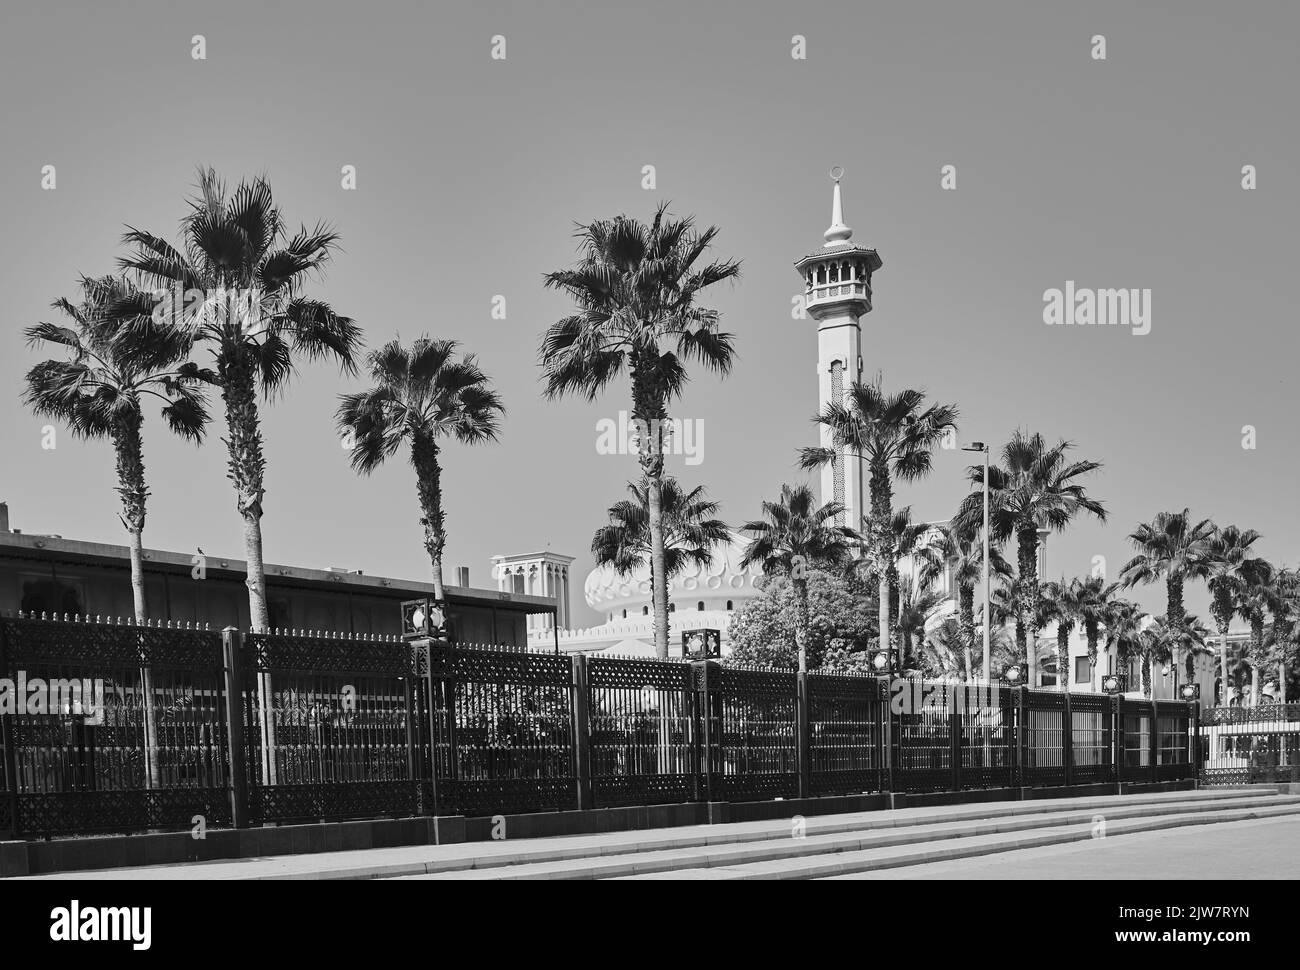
<point>837,292</point>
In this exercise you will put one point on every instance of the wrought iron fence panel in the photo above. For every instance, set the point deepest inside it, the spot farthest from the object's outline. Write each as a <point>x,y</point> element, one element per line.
<point>845,734</point>
<point>987,739</point>
<point>121,727</point>
<point>754,729</point>
<point>1046,738</point>
<point>1250,745</point>
<point>640,731</point>
<point>1090,735</point>
<point>1173,755</point>
<point>503,731</point>
<point>328,728</point>
<point>923,725</point>
<point>1136,718</point>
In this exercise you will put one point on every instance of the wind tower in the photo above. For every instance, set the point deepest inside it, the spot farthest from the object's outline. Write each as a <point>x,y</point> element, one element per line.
<point>837,292</point>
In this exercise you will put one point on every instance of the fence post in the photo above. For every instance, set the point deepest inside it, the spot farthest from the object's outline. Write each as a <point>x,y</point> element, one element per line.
<point>1067,740</point>
<point>1117,733</point>
<point>886,737</point>
<point>702,671</point>
<point>232,650</point>
<point>956,708</point>
<point>1194,740</point>
<point>581,732</point>
<point>1153,738</point>
<point>803,734</point>
<point>435,686</point>
<point>1022,736</point>
<point>8,744</point>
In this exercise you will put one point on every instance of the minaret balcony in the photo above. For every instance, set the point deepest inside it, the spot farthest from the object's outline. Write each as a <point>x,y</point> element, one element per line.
<point>854,295</point>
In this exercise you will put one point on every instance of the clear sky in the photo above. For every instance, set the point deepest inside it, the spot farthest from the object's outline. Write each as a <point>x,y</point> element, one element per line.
<point>471,173</point>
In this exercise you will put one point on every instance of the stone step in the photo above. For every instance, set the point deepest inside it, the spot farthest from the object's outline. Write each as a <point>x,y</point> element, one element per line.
<point>854,864</point>
<point>852,833</point>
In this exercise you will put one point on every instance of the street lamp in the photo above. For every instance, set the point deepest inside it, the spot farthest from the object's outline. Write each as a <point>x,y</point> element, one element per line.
<point>988,620</point>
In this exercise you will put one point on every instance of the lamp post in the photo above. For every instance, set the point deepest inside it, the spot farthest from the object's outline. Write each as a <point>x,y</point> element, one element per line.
<point>988,619</point>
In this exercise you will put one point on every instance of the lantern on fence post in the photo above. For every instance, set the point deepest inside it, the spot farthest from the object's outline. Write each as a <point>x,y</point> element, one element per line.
<point>425,619</point>
<point>1112,684</point>
<point>1013,675</point>
<point>1191,692</point>
<point>704,644</point>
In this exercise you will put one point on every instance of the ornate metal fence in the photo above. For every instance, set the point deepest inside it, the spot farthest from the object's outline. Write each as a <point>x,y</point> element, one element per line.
<point>284,727</point>
<point>114,727</point>
<point>641,731</point>
<point>328,728</point>
<point>1249,745</point>
<point>846,734</point>
<point>503,731</point>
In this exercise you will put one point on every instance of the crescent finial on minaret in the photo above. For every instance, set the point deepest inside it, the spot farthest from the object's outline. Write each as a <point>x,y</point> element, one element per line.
<point>838,233</point>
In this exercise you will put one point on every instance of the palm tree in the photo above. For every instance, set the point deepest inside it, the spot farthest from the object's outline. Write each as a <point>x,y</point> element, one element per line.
<point>1094,599</point>
<point>1034,487</point>
<point>896,435</point>
<point>1229,558</point>
<point>964,554</point>
<point>917,604</point>
<point>796,535</point>
<point>1172,548</point>
<point>1165,642</point>
<point>945,654</point>
<point>1284,634</point>
<point>1258,594</point>
<point>117,357</point>
<point>237,283</point>
<point>904,538</point>
<point>637,289</point>
<point>690,531</point>
<point>1124,621</point>
<point>420,396</point>
<point>1063,602</point>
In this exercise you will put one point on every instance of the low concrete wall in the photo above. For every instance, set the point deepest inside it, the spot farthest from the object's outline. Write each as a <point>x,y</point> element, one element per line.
<point>118,851</point>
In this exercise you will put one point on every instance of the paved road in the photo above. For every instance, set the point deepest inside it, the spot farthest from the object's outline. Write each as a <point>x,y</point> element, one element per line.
<point>1263,849</point>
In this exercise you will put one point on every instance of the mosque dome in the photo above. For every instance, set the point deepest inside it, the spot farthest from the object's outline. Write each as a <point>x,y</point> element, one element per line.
<point>724,579</point>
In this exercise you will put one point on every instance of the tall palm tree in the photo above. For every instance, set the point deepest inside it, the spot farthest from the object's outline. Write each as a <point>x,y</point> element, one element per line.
<point>1034,487</point>
<point>963,553</point>
<point>1094,598</point>
<point>796,535</point>
<point>637,290</point>
<point>118,357</point>
<point>1063,602</point>
<point>237,282</point>
<point>1124,622</point>
<point>904,538</point>
<point>1173,548</point>
<point>1258,594</point>
<point>690,531</point>
<point>1229,558</point>
<point>896,435</point>
<point>421,396</point>
<point>1283,638</point>
<point>1169,642</point>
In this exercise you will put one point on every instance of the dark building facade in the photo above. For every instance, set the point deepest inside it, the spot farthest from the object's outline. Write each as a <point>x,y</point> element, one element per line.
<point>52,575</point>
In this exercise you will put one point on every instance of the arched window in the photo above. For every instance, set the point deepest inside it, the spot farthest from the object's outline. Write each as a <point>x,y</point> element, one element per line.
<point>672,607</point>
<point>729,604</point>
<point>625,611</point>
<point>700,606</point>
<point>645,610</point>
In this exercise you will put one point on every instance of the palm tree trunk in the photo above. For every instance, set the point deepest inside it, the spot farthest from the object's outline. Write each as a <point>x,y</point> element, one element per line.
<point>1174,609</point>
<point>882,499</point>
<point>428,485</point>
<point>1063,656</point>
<point>1256,658</point>
<point>129,450</point>
<point>802,623</point>
<point>1147,661</point>
<point>650,416</point>
<point>1027,565</point>
<point>659,587</point>
<point>1223,664</point>
<point>247,469</point>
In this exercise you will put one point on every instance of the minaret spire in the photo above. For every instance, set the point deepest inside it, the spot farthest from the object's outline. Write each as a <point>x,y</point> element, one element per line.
<point>838,234</point>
